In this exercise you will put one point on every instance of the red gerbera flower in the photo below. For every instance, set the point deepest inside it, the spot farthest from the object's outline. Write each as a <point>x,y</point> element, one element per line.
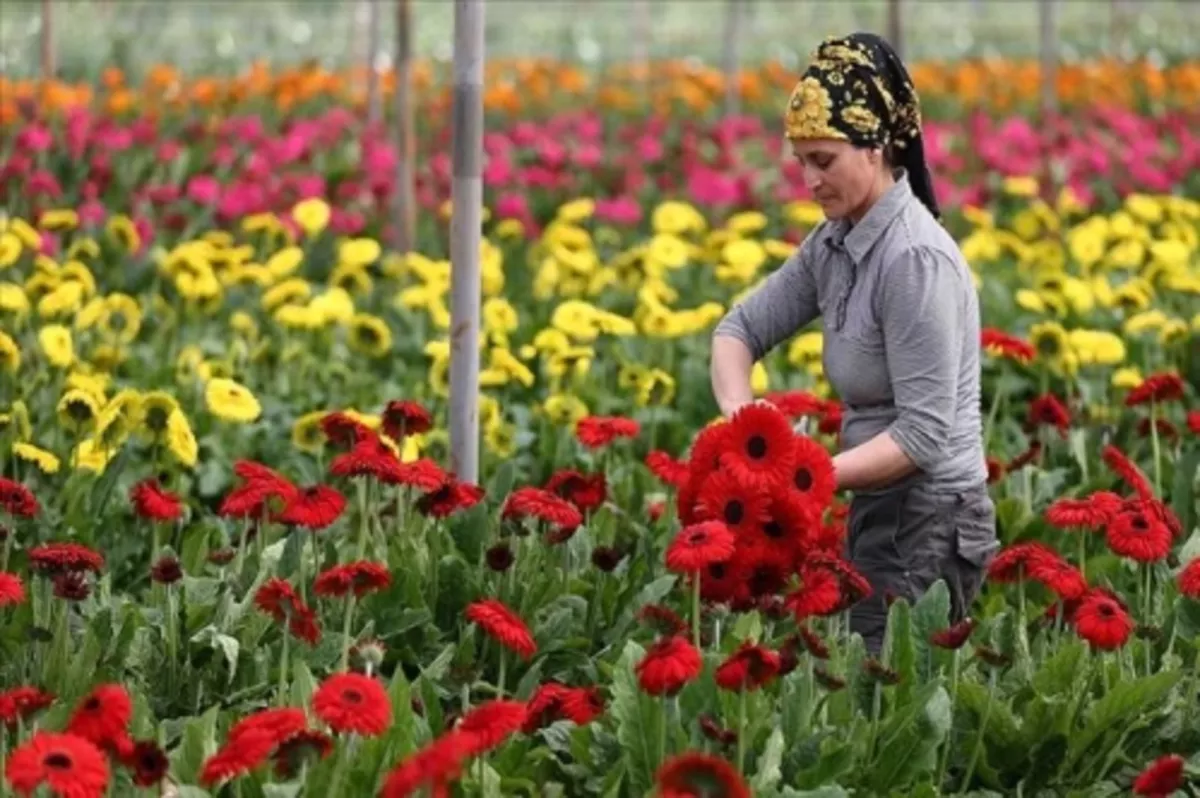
<point>148,762</point>
<point>1024,458</point>
<point>697,775</point>
<point>67,764</point>
<point>370,457</point>
<point>361,577</point>
<point>761,447</point>
<point>531,502</point>
<point>12,592</point>
<point>1001,344</point>
<point>491,723</point>
<point>955,636</point>
<point>304,745</point>
<point>504,625</point>
<point>995,470</point>
<point>342,431</point>
<point>796,404</point>
<point>668,665</point>
<point>710,444</point>
<point>54,558</point>
<point>1048,410</point>
<point>434,766</point>
<point>722,581</point>
<point>1189,579</point>
<point>791,524</point>
<point>1138,535</point>
<point>314,507</point>
<point>278,598</point>
<point>1102,621</point>
<point>150,501</point>
<point>812,471</point>
<point>1193,421</point>
<point>548,704</point>
<point>1161,778</point>
<point>1064,579</point>
<point>1160,387</point>
<point>662,619</point>
<point>699,545</point>
<point>667,468</point>
<point>740,506</point>
<point>20,703</point>
<point>404,417</point>
<point>450,497</point>
<point>585,491</point>
<point>1120,464</point>
<point>103,716</point>
<point>597,431</point>
<point>259,484</point>
<point>831,418</point>
<point>1089,513</point>
<point>819,594</point>
<point>423,474</point>
<point>748,668</point>
<point>17,500</point>
<point>1165,429</point>
<point>1016,561</point>
<point>251,742</point>
<point>353,703</point>
<point>763,570</point>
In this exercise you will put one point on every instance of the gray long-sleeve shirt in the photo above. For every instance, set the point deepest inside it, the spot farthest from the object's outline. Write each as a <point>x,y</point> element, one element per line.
<point>900,322</point>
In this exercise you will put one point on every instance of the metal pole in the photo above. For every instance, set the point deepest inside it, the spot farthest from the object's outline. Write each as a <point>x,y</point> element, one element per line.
<point>405,140</point>
<point>465,238</point>
<point>732,47</point>
<point>374,106</point>
<point>895,28</point>
<point>1048,34</point>
<point>47,40</point>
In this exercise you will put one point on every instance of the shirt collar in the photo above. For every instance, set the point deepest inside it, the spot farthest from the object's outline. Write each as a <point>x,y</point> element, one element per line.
<point>859,238</point>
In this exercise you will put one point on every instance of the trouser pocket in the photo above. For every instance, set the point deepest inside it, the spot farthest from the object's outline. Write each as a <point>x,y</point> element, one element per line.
<point>973,520</point>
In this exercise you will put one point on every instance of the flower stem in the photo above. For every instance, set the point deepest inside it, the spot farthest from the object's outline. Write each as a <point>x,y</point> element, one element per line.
<point>696,610</point>
<point>987,714</point>
<point>1154,443</point>
<point>500,678</point>
<point>347,626</point>
<point>741,743</point>
<point>945,763</point>
<point>281,699</point>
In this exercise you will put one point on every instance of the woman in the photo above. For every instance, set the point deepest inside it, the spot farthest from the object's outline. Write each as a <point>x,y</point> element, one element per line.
<point>900,322</point>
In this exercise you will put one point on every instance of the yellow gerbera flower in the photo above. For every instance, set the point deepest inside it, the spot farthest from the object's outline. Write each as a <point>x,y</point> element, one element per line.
<point>369,335</point>
<point>55,340</point>
<point>181,442</point>
<point>312,215</point>
<point>46,462</point>
<point>231,401</point>
<point>10,353</point>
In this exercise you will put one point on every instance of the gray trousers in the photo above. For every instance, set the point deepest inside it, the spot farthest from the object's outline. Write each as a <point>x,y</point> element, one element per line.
<point>903,540</point>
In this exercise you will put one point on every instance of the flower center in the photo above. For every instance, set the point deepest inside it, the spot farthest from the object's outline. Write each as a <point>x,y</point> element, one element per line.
<point>734,512</point>
<point>352,697</point>
<point>773,529</point>
<point>58,761</point>
<point>756,447</point>
<point>803,479</point>
<point>717,570</point>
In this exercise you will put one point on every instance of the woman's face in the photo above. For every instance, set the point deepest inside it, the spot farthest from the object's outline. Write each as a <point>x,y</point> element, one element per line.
<point>844,179</point>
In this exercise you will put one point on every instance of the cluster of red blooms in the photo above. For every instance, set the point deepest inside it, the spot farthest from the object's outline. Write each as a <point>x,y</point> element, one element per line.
<point>753,482</point>
<point>78,760</point>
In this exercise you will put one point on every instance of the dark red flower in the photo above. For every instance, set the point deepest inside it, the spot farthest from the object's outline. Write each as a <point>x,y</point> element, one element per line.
<point>1138,535</point>
<point>279,599</point>
<point>662,619</point>
<point>65,763</point>
<point>748,668</point>
<point>1164,428</point>
<point>740,506</point>
<point>813,643</point>
<point>722,581</point>
<point>422,474</point>
<point>504,625</point>
<point>995,470</point>
<point>12,592</point>
<point>370,457</point>
<point>812,471</point>
<point>955,636</point>
<point>450,497</point>
<point>353,703</point>
<point>259,485</point>
<point>151,502</point>
<point>404,417</point>
<point>1161,778</point>
<point>791,525</point>
<point>361,577</point>
<point>1189,579</point>
<point>20,703</point>
<point>499,557</point>
<point>552,701</point>
<point>698,546</point>
<point>148,762</point>
<point>699,775</point>
<point>607,558</point>
<point>1048,410</point>
<point>53,558</point>
<point>761,446</point>
<point>17,500</point>
<point>531,502</point>
<point>585,491</point>
<point>1160,387</point>
<point>314,507</point>
<point>1102,621</point>
<point>343,431</point>
<point>103,716</point>
<point>166,570</point>
<point>595,432</point>
<point>1016,561</point>
<point>1120,464</point>
<point>668,665</point>
<point>304,745</point>
<point>763,570</point>
<point>1001,344</point>
<point>667,468</point>
<point>819,594</point>
<point>71,585</point>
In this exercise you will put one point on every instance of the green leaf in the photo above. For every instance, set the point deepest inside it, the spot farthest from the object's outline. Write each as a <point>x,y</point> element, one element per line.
<point>902,653</point>
<point>1046,760</point>
<point>911,739</point>
<point>229,646</point>
<point>1120,706</point>
<point>199,742</point>
<point>1183,490</point>
<point>832,791</point>
<point>290,790</point>
<point>303,684</point>
<point>931,614</point>
<point>637,718</point>
<point>769,773</point>
<point>1059,674</point>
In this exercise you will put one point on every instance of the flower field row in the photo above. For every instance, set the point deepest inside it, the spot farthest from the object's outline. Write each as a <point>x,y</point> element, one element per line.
<point>233,560</point>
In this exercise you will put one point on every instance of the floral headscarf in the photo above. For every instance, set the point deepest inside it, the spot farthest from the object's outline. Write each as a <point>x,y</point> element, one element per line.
<point>856,89</point>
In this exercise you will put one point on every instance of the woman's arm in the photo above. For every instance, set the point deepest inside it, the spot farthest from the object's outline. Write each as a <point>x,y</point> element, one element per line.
<point>785,302</point>
<point>920,310</point>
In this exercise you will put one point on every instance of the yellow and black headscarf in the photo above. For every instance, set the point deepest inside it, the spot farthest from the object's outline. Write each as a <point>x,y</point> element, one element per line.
<point>857,89</point>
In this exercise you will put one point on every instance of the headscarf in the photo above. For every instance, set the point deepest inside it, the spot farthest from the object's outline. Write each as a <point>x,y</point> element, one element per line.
<point>856,89</point>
